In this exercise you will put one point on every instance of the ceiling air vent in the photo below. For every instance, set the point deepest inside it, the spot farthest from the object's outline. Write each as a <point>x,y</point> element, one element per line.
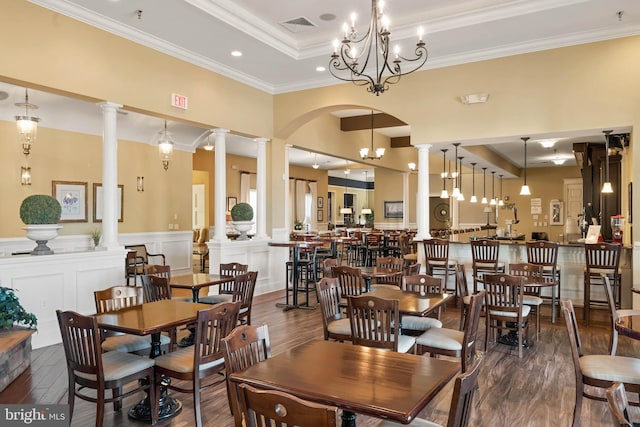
<point>297,25</point>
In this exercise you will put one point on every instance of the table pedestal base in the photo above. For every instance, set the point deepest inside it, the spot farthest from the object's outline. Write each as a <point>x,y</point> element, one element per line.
<point>511,339</point>
<point>348,419</point>
<point>167,408</point>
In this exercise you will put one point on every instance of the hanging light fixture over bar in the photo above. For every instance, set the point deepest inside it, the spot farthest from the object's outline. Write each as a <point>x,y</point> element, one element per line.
<point>461,195</point>
<point>165,146</point>
<point>501,201</point>
<point>484,191</point>
<point>606,187</point>
<point>444,194</point>
<point>456,190</point>
<point>524,190</point>
<point>379,152</point>
<point>493,188</point>
<point>350,58</point>
<point>473,198</point>
<point>27,125</point>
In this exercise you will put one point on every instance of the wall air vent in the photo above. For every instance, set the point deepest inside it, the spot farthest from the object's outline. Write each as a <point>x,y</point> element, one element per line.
<point>297,25</point>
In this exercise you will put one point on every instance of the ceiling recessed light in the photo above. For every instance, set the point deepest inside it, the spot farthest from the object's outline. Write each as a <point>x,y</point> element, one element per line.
<point>236,53</point>
<point>547,143</point>
<point>320,69</point>
<point>327,17</point>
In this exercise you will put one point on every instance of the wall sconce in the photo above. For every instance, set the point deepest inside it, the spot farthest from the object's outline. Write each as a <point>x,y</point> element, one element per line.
<point>140,183</point>
<point>27,125</point>
<point>25,175</point>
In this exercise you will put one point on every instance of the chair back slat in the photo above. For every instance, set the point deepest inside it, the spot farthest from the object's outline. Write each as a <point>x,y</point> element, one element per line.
<point>422,284</point>
<point>212,325</point>
<point>436,250</point>
<point>485,251</point>
<point>350,279</point>
<point>603,256</point>
<point>463,392</point>
<point>373,320</point>
<point>231,269</point>
<point>327,267</point>
<point>329,297</point>
<point>117,297</point>
<point>155,288</point>
<point>543,253</point>
<point>461,280</point>
<point>504,292</point>
<point>81,341</point>
<point>470,338</point>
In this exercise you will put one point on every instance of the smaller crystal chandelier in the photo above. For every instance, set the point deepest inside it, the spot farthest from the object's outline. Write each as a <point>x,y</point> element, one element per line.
<point>165,146</point>
<point>350,58</point>
<point>27,125</point>
<point>524,190</point>
<point>379,152</point>
<point>25,175</point>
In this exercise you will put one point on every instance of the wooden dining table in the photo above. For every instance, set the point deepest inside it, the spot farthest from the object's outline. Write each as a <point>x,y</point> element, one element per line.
<point>628,324</point>
<point>357,379</point>
<point>151,319</point>
<point>197,281</point>
<point>375,272</point>
<point>410,303</point>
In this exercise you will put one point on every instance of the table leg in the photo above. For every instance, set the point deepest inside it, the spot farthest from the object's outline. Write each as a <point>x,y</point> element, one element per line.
<point>348,419</point>
<point>191,338</point>
<point>294,278</point>
<point>367,284</point>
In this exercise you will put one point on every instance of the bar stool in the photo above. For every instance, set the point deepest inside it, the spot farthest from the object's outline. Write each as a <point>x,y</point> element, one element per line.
<point>484,256</point>
<point>436,254</point>
<point>306,271</point>
<point>546,255</point>
<point>601,258</point>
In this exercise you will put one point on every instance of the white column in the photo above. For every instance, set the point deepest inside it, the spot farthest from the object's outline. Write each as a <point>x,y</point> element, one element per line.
<point>422,208</point>
<point>405,200</point>
<point>287,198</point>
<point>261,189</point>
<point>220,167</point>
<point>110,175</point>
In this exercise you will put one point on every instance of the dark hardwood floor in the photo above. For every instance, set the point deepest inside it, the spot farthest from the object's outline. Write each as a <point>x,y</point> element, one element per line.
<point>537,390</point>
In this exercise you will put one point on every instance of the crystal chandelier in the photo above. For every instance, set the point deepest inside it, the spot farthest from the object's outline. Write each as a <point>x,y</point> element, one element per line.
<point>364,58</point>
<point>165,146</point>
<point>375,155</point>
<point>27,125</point>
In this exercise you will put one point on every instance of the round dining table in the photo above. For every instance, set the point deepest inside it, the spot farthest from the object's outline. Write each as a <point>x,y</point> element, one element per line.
<point>628,324</point>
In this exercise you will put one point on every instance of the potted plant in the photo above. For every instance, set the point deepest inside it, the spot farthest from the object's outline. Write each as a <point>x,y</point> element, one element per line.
<point>96,234</point>
<point>16,328</point>
<point>41,214</point>
<point>297,225</point>
<point>242,216</point>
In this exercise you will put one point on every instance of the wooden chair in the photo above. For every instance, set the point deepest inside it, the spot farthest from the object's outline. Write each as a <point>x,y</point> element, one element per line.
<point>269,408</point>
<point>327,267</point>
<point>484,259</point>
<point>202,360</point>
<point>133,268</point>
<point>373,247</point>
<point>505,309</point>
<point>601,258</point>
<point>350,279</point>
<point>451,342</point>
<point>155,288</point>
<point>116,298</point>
<point>245,346</point>
<point>245,286</point>
<point>412,270</point>
<point>374,322</point>
<point>531,273</point>
<point>422,285</point>
<point>135,264</point>
<point>89,368</point>
<point>546,255</point>
<point>406,249</point>
<point>619,405</point>
<point>463,292</point>
<point>436,254</point>
<point>226,289</point>
<point>158,270</point>
<point>461,402</point>
<point>599,371</point>
<point>336,325</point>
<point>615,314</point>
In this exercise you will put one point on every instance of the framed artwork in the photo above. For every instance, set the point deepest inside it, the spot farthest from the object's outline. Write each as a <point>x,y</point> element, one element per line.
<point>320,202</point>
<point>393,209</point>
<point>231,202</point>
<point>320,215</point>
<point>73,200</point>
<point>98,202</point>
<point>556,212</point>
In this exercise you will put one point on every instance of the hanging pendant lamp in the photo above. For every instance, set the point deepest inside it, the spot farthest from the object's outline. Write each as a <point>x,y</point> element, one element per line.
<point>524,190</point>
<point>444,194</point>
<point>456,189</point>
<point>473,198</point>
<point>484,191</point>
<point>500,201</point>
<point>493,188</point>
<point>606,187</point>
<point>461,195</point>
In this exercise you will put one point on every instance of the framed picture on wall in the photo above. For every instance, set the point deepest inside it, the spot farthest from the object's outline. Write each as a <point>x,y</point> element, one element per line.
<point>98,199</point>
<point>231,202</point>
<point>320,202</point>
<point>556,212</point>
<point>73,200</point>
<point>320,215</point>
<point>393,209</point>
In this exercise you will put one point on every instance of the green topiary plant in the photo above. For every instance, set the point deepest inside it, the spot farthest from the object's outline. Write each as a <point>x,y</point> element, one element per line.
<point>242,212</point>
<point>40,209</point>
<point>11,312</point>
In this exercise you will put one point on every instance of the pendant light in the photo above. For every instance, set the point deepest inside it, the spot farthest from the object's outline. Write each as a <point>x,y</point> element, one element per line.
<point>165,146</point>
<point>315,161</point>
<point>444,194</point>
<point>500,201</point>
<point>524,190</point>
<point>460,196</point>
<point>473,198</point>
<point>493,188</point>
<point>484,191</point>
<point>27,125</point>
<point>606,187</point>
<point>456,189</point>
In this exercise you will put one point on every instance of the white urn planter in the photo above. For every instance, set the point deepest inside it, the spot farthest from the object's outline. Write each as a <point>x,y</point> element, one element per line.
<point>243,227</point>
<point>41,234</point>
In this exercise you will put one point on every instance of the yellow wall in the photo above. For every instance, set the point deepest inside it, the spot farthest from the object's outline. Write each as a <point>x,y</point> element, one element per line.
<point>69,156</point>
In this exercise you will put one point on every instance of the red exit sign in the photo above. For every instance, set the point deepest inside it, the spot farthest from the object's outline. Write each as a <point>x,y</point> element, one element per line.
<point>179,101</point>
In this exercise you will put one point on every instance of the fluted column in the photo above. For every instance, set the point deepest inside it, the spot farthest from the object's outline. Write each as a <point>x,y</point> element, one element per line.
<point>261,189</point>
<point>110,175</point>
<point>220,206</point>
<point>422,208</point>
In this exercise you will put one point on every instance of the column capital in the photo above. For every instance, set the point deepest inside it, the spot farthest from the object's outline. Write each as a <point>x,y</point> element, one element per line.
<point>421,147</point>
<point>218,131</point>
<point>106,105</point>
<point>262,140</point>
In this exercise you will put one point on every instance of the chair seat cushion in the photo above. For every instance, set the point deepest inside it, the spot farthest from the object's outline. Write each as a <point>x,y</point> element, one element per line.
<point>446,339</point>
<point>525,312</point>
<point>451,263</point>
<point>467,300</point>
<point>532,300</point>
<point>216,298</point>
<point>417,422</point>
<point>340,326</point>
<point>182,361</point>
<point>488,265</point>
<point>405,343</point>
<point>117,365</point>
<point>128,343</point>
<point>418,323</point>
<point>611,368</point>
<point>384,286</point>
